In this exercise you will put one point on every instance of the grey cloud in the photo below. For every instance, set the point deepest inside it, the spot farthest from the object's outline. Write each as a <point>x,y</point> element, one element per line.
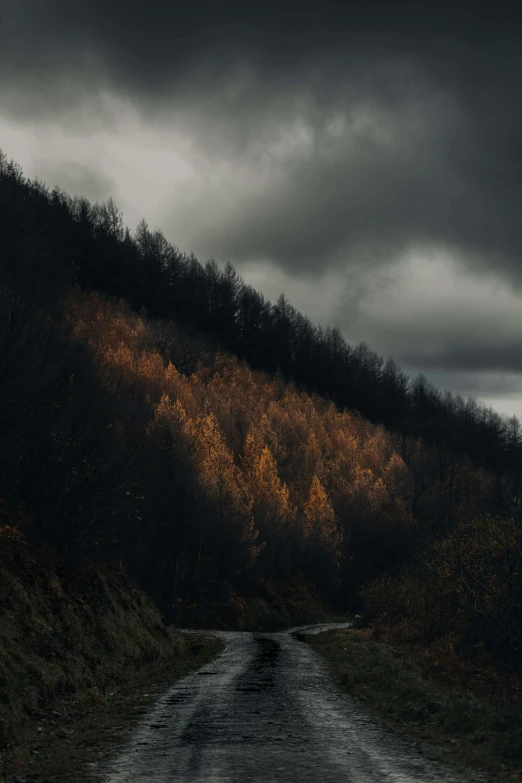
<point>500,358</point>
<point>479,384</point>
<point>76,179</point>
<point>431,316</point>
<point>369,203</point>
<point>231,72</point>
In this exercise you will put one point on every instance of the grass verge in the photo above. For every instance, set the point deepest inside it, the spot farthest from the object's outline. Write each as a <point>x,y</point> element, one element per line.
<point>468,731</point>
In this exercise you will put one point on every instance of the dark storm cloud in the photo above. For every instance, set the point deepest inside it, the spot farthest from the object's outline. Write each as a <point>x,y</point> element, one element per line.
<point>445,80</point>
<point>358,198</point>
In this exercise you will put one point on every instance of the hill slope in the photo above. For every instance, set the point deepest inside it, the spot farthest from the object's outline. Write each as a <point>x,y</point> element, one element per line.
<point>129,438</point>
<point>49,241</point>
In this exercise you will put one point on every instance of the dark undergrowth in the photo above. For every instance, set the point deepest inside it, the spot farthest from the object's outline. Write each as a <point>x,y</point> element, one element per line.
<point>260,608</point>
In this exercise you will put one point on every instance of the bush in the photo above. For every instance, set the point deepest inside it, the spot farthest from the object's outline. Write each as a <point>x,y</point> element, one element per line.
<point>469,586</point>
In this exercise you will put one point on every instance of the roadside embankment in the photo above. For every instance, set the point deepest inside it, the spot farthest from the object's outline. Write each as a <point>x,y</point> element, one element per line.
<point>464,726</point>
<point>82,655</point>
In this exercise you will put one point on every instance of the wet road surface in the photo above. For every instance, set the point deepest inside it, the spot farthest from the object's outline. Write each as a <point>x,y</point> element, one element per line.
<point>265,711</point>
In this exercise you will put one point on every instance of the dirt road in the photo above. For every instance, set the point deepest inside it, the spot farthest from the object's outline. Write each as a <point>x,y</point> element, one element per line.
<point>265,711</point>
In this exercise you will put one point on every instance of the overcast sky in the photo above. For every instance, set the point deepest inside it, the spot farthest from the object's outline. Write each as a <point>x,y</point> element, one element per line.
<point>366,158</point>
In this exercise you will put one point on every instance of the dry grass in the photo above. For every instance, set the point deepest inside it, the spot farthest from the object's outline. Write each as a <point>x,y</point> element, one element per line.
<point>65,744</point>
<point>470,728</point>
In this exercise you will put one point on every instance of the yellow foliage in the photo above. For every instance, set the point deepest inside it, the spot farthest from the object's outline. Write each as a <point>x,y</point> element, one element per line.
<point>319,518</point>
<point>271,503</point>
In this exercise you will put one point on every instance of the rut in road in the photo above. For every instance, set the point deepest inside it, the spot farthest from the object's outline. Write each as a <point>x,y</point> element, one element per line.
<point>264,710</point>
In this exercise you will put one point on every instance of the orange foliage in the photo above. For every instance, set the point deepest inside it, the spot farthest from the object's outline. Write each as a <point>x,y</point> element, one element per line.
<point>258,447</point>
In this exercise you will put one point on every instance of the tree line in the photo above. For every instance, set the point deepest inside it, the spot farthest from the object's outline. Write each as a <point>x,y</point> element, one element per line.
<point>89,244</point>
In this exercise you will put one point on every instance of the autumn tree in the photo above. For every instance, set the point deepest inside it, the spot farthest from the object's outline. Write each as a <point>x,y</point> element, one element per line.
<point>273,513</point>
<point>323,536</point>
<point>229,529</point>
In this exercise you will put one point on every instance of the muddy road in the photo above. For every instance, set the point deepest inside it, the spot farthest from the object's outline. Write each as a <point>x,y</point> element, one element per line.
<point>264,710</point>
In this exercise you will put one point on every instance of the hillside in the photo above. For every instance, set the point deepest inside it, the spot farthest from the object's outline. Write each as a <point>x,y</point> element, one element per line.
<point>50,241</point>
<point>131,436</point>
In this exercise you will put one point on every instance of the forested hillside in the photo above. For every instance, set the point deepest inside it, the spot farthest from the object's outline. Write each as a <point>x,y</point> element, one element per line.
<point>162,414</point>
<point>71,240</point>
